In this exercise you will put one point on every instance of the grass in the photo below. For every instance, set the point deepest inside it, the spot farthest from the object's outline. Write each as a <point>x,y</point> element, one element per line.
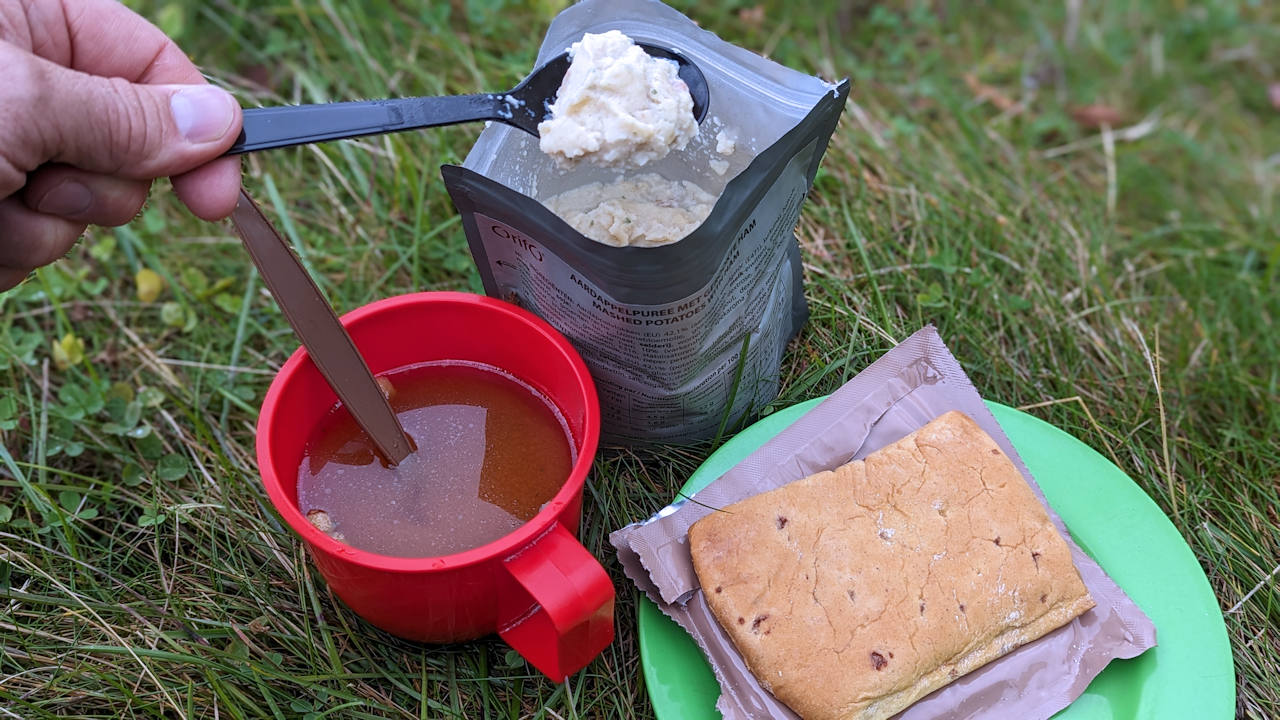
<point>1119,282</point>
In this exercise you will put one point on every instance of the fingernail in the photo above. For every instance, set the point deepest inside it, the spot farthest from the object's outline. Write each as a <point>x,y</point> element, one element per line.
<point>202,113</point>
<point>67,199</point>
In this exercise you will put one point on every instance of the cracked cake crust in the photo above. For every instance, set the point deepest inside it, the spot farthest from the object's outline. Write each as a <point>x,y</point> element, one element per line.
<point>852,593</point>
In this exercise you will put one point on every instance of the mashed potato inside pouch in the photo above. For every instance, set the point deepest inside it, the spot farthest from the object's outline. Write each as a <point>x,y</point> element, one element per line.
<point>647,210</point>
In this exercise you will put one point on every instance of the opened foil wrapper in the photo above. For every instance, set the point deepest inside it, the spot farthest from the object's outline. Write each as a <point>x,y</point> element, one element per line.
<point>902,391</point>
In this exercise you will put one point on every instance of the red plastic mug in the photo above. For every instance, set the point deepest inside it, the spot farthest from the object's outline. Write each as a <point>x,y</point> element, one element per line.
<point>537,587</point>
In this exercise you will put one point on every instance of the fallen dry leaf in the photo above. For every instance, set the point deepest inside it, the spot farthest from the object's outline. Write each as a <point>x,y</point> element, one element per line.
<point>988,93</point>
<point>1092,117</point>
<point>873,182</point>
<point>149,284</point>
<point>259,74</point>
<point>752,16</point>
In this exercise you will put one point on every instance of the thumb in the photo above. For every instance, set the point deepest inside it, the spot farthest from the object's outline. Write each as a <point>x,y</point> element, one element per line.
<point>114,127</point>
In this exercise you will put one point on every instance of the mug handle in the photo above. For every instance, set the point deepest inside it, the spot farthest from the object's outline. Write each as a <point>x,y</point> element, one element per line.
<point>571,618</point>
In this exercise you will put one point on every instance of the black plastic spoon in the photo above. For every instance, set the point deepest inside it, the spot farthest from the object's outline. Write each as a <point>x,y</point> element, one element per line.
<point>523,107</point>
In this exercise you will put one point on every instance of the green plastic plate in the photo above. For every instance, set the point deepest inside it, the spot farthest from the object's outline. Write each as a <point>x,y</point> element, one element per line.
<point>1189,674</point>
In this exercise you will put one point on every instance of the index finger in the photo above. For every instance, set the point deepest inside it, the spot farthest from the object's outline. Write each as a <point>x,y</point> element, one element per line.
<point>107,39</point>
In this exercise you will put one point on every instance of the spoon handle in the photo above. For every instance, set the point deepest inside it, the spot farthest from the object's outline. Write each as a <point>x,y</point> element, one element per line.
<point>288,125</point>
<point>322,334</point>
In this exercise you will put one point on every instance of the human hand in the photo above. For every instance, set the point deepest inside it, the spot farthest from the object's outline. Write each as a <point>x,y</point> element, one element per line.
<point>95,102</point>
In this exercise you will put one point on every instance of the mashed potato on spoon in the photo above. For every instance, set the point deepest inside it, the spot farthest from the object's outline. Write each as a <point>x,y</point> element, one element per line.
<point>617,106</point>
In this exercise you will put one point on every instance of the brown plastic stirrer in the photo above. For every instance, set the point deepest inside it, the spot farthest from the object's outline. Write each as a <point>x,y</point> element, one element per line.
<point>317,326</point>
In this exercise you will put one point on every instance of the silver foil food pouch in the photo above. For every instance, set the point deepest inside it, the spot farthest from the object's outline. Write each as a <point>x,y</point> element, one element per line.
<point>682,339</point>
<point>903,390</point>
